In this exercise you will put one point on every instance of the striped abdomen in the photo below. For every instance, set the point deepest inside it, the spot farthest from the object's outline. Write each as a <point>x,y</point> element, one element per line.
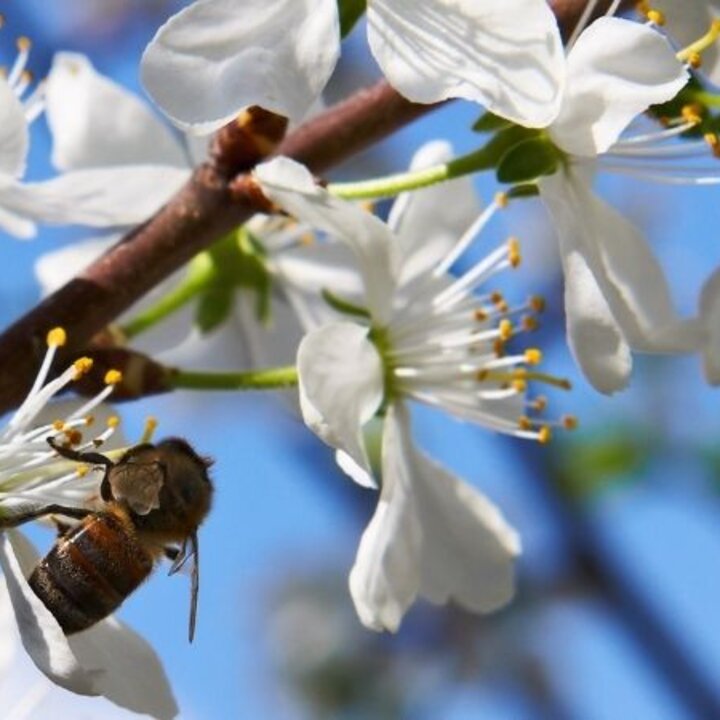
<point>90,571</point>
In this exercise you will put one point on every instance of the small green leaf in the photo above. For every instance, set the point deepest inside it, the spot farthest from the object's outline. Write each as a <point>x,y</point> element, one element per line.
<point>213,308</point>
<point>490,154</point>
<point>488,122</point>
<point>350,12</point>
<point>528,161</point>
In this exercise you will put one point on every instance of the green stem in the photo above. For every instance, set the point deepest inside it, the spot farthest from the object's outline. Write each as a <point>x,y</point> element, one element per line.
<point>269,379</point>
<point>392,185</point>
<point>198,276</point>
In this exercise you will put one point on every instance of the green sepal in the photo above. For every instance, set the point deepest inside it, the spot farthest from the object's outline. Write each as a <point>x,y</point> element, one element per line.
<point>213,308</point>
<point>350,11</point>
<point>491,154</point>
<point>235,262</point>
<point>488,122</point>
<point>525,190</point>
<point>343,306</point>
<point>528,161</point>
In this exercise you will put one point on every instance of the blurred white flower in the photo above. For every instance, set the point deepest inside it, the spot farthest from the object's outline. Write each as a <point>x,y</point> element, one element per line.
<point>616,295</point>
<point>108,659</point>
<point>419,334</point>
<point>215,57</point>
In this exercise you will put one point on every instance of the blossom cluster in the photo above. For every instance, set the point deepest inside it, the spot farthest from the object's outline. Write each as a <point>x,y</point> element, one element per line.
<point>373,314</point>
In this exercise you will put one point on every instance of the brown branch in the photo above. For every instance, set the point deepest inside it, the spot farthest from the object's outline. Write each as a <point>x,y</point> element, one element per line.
<point>208,206</point>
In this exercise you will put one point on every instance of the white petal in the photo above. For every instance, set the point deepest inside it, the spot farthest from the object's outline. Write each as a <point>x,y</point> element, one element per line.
<point>469,549</point>
<point>432,534</point>
<point>359,474</point>
<point>8,646</point>
<point>85,133</point>
<point>291,186</point>
<point>319,266</point>
<point>506,56</point>
<point>625,269</point>
<point>594,337</point>
<point>15,224</point>
<point>385,578</point>
<point>616,70</point>
<point>688,20</point>
<point>14,135</point>
<point>710,316</point>
<point>102,197</point>
<point>217,57</point>
<point>429,222</point>
<point>341,385</point>
<point>53,269</point>
<point>134,677</point>
<point>40,633</point>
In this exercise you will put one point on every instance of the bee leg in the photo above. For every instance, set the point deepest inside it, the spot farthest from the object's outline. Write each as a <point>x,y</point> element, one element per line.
<point>62,528</point>
<point>20,519</point>
<point>92,458</point>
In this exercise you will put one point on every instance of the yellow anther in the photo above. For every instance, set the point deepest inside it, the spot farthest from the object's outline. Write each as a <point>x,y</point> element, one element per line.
<point>89,420</point>
<point>537,303</point>
<point>499,347</point>
<point>113,421</point>
<point>23,43</point>
<point>306,239</point>
<point>480,315</point>
<point>506,329</point>
<point>26,76</point>
<point>514,255</point>
<point>82,366</point>
<point>501,200</point>
<point>643,7</point>
<point>482,375</point>
<point>496,297</point>
<point>58,425</point>
<point>569,422</point>
<point>82,470</point>
<point>656,17</point>
<point>529,323</point>
<point>151,424</point>
<point>539,404</point>
<point>368,206</point>
<point>74,436</point>
<point>712,140</point>
<point>113,377</point>
<point>524,422</point>
<point>520,373</point>
<point>692,113</point>
<point>519,385</point>
<point>694,60</point>
<point>544,435</point>
<point>57,337</point>
<point>533,356</point>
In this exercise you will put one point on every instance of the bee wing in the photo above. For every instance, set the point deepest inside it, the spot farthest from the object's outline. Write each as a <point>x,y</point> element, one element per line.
<point>138,484</point>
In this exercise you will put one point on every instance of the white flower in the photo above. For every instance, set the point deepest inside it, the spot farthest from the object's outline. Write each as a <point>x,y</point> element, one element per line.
<point>88,195</point>
<point>108,659</point>
<point>616,296</point>
<point>426,337</point>
<point>216,57</point>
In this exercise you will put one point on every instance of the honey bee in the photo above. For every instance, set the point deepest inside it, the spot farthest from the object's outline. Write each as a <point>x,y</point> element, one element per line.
<point>154,499</point>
